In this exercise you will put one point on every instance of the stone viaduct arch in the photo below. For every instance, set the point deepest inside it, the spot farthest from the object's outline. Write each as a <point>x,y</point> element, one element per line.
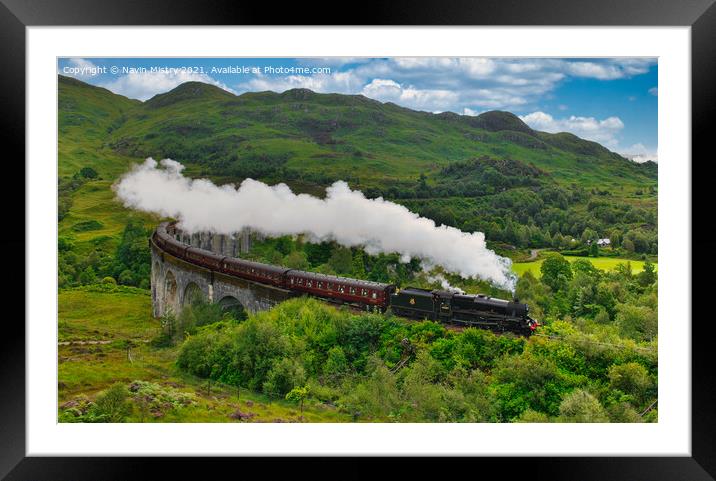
<point>192,293</point>
<point>175,282</point>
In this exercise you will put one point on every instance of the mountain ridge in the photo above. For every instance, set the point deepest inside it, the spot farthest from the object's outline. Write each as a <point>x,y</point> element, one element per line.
<point>330,135</point>
<point>489,173</point>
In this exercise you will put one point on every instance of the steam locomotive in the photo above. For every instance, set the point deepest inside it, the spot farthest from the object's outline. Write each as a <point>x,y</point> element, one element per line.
<point>442,306</point>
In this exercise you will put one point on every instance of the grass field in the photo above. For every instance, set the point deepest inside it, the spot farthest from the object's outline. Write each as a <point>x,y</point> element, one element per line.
<point>603,263</point>
<point>88,314</point>
<point>92,314</point>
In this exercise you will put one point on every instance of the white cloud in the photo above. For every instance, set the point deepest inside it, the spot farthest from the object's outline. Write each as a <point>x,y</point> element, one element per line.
<point>471,112</point>
<point>386,90</point>
<point>603,131</point>
<point>654,91</point>
<point>456,84</point>
<point>145,85</point>
<point>639,153</point>
<point>333,61</point>
<point>594,70</point>
<point>337,82</point>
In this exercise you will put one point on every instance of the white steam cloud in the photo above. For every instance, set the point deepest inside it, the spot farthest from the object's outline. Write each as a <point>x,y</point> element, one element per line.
<point>345,216</point>
<point>444,283</point>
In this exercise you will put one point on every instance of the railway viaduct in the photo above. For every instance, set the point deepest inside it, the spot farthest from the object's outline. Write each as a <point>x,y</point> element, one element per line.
<point>176,282</point>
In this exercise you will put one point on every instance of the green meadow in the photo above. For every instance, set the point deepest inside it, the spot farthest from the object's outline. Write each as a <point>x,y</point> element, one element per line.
<point>601,263</point>
<point>96,323</point>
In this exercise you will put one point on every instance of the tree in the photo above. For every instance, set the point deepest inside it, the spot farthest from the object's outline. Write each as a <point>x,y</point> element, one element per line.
<point>581,407</point>
<point>296,260</point>
<point>318,253</point>
<point>126,278</point>
<point>298,395</point>
<point>336,363</point>
<point>557,240</point>
<point>88,173</point>
<point>556,272</point>
<point>531,416</point>
<point>341,260</point>
<point>273,256</point>
<point>284,245</point>
<point>88,276</point>
<point>589,235</point>
<point>128,345</point>
<point>423,182</point>
<point>359,264</point>
<point>602,316</point>
<point>628,245</point>
<point>630,378</point>
<point>283,375</point>
<point>377,395</point>
<point>132,259</point>
<point>112,406</point>
<point>440,215</point>
<point>648,276</point>
<point>637,322</point>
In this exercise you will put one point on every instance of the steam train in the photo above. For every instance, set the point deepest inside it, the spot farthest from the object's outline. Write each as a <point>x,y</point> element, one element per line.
<point>442,306</point>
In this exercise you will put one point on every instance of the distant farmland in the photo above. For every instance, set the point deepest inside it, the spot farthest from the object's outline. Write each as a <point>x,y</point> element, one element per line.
<point>603,263</point>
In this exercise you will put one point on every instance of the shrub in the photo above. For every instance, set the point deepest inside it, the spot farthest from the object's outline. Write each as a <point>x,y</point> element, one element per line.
<point>631,378</point>
<point>637,322</point>
<point>127,278</point>
<point>88,173</point>
<point>556,272</point>
<point>112,406</point>
<point>581,407</point>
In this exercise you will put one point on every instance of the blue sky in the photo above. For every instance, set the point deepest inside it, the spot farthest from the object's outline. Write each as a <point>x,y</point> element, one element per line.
<point>611,101</point>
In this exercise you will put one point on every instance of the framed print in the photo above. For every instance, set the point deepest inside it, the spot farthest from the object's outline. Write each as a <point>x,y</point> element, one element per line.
<point>467,234</point>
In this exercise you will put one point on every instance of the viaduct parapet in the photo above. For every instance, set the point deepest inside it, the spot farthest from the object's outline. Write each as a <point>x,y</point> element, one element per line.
<point>228,245</point>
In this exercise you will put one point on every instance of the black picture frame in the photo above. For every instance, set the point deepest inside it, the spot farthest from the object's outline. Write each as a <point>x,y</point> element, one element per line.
<point>700,15</point>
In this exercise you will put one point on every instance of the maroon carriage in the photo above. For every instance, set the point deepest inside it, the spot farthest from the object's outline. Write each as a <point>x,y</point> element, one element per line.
<point>365,294</point>
<point>255,271</point>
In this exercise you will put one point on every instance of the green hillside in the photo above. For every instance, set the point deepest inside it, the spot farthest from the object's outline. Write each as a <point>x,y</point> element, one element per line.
<point>337,136</point>
<point>489,172</point>
<point>325,137</point>
<point>524,189</point>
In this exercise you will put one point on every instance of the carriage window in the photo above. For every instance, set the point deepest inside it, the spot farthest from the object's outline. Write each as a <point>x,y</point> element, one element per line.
<point>353,290</point>
<point>292,280</point>
<point>309,283</point>
<point>375,295</point>
<point>320,285</point>
<point>253,270</point>
<point>341,290</point>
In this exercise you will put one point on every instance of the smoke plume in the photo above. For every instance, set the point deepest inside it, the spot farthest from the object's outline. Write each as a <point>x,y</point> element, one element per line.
<point>444,283</point>
<point>345,216</point>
